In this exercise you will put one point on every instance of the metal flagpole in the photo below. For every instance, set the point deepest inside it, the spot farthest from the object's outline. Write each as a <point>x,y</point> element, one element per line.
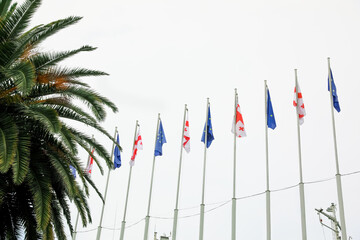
<point>338,176</point>
<point>301,184</point>
<point>268,216</point>
<point>233,226</point>
<point>202,206</point>
<point>106,188</point>
<point>176,210</point>
<point>146,232</point>
<point>78,214</point>
<point>128,188</point>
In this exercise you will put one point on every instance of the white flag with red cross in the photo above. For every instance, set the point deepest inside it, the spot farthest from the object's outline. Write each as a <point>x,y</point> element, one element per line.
<point>186,140</point>
<point>238,127</point>
<point>138,145</point>
<point>299,104</point>
<point>90,164</point>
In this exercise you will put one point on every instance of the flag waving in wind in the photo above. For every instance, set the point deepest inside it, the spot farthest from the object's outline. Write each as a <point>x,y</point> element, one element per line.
<point>299,104</point>
<point>239,124</point>
<point>117,157</point>
<point>186,140</point>
<point>160,140</point>
<point>208,131</point>
<point>270,113</point>
<point>334,92</point>
<point>90,164</point>
<point>138,145</point>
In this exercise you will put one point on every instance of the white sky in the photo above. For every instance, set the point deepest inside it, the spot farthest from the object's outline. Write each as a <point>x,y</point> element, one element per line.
<point>162,54</point>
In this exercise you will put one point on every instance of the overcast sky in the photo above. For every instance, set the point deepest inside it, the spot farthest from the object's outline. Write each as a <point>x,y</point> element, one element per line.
<point>163,54</point>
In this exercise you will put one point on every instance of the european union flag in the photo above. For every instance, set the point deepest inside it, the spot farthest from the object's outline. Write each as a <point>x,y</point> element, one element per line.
<point>270,113</point>
<point>160,140</point>
<point>334,93</point>
<point>208,131</point>
<point>117,157</point>
<point>73,171</point>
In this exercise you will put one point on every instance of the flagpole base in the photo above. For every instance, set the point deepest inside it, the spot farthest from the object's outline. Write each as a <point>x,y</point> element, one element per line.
<point>146,232</point>
<point>98,233</point>
<point>122,230</point>
<point>202,211</point>
<point>176,211</point>
<point>233,225</point>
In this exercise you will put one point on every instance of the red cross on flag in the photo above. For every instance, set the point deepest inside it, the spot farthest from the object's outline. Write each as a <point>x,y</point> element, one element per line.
<point>239,126</point>
<point>299,104</point>
<point>138,145</point>
<point>90,164</point>
<point>186,140</point>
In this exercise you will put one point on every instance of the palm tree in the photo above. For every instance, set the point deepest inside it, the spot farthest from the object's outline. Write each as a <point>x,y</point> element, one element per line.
<point>37,146</point>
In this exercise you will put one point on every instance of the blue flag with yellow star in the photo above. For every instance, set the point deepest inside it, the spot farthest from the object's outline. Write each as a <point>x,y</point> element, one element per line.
<point>117,156</point>
<point>334,93</point>
<point>160,140</point>
<point>270,113</point>
<point>208,131</point>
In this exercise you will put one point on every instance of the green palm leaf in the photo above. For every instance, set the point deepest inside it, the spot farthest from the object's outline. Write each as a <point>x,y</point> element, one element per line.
<point>40,188</point>
<point>8,142</point>
<point>20,166</point>
<point>47,116</point>
<point>44,60</point>
<point>52,28</point>
<point>18,20</point>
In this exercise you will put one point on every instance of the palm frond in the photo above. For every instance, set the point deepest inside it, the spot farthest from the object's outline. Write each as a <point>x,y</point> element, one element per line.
<point>4,7</point>
<point>8,142</point>
<point>40,188</point>
<point>92,99</point>
<point>45,60</point>
<point>64,206</point>
<point>23,75</point>
<point>62,171</point>
<point>47,116</point>
<point>52,28</point>
<point>56,219</point>
<point>18,20</point>
<point>20,167</point>
<point>48,232</point>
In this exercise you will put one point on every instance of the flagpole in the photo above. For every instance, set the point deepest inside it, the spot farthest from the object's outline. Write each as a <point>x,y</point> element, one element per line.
<point>202,206</point>
<point>106,188</point>
<point>176,210</point>
<point>233,226</point>
<point>128,188</point>
<point>301,184</point>
<point>338,176</point>
<point>78,213</point>
<point>146,232</point>
<point>268,216</point>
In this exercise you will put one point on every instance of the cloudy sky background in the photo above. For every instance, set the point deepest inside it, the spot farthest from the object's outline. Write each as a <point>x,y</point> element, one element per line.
<point>163,54</point>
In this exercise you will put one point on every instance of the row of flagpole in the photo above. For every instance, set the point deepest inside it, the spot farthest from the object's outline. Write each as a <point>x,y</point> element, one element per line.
<point>239,131</point>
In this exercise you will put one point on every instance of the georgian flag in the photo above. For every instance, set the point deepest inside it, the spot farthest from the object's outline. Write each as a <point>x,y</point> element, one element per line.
<point>300,107</point>
<point>90,164</point>
<point>186,140</point>
<point>138,145</point>
<point>239,126</point>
